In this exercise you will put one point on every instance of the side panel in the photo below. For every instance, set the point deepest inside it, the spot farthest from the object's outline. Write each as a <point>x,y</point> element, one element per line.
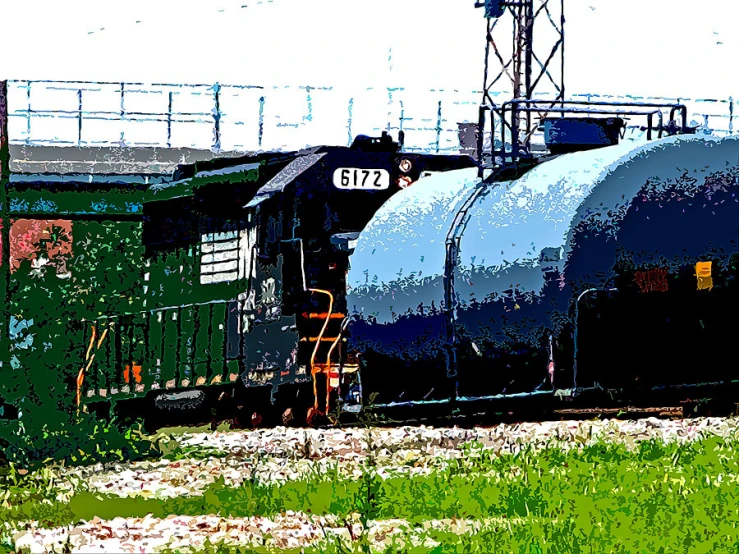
<point>271,340</point>
<point>671,322</point>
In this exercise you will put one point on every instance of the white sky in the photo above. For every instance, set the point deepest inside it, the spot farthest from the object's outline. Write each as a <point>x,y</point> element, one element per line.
<point>659,47</point>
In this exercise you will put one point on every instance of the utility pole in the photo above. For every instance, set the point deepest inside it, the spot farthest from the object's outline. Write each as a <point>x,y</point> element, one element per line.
<point>4,230</point>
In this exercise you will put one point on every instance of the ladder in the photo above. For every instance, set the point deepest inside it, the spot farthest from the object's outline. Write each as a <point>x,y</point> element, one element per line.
<point>325,353</point>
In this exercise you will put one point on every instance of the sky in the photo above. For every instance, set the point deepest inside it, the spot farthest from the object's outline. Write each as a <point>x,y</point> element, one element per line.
<point>658,47</point>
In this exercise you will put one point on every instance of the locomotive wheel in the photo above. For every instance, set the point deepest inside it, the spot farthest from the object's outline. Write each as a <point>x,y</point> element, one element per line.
<point>317,419</point>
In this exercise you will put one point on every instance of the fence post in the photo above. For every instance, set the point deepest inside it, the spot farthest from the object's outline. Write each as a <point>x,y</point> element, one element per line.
<point>731,115</point>
<point>349,122</point>
<point>123,115</point>
<point>309,101</point>
<point>79,117</point>
<point>217,118</point>
<point>401,132</point>
<point>261,120</point>
<point>438,128</point>
<point>28,113</point>
<point>169,121</point>
<point>389,108</point>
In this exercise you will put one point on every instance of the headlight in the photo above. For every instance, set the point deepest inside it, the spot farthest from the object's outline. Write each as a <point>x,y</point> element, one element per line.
<point>405,166</point>
<point>404,181</point>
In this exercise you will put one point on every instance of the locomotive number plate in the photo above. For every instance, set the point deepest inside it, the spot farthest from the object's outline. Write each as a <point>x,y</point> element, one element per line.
<point>352,178</point>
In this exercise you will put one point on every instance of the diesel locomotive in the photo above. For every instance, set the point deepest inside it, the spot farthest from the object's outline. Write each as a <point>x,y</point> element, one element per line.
<point>244,284</point>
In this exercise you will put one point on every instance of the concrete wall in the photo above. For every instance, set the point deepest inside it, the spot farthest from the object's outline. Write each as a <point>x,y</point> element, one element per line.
<point>104,160</point>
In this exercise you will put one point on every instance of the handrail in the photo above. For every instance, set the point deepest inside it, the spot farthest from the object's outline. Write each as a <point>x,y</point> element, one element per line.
<point>576,323</point>
<point>344,324</point>
<point>313,370</point>
<point>561,107</point>
<point>88,359</point>
<point>450,263</point>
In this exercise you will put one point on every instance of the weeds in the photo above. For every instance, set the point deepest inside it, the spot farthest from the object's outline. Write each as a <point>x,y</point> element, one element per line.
<point>172,450</point>
<point>654,497</point>
<point>82,442</point>
<point>366,500</point>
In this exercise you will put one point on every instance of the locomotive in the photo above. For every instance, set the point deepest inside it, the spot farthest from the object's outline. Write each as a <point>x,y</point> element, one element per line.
<point>243,284</point>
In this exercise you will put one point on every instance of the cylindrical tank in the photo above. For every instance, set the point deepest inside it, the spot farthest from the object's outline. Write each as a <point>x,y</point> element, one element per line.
<point>606,219</point>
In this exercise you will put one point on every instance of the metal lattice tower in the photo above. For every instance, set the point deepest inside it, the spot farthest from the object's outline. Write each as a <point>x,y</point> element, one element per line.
<point>531,67</point>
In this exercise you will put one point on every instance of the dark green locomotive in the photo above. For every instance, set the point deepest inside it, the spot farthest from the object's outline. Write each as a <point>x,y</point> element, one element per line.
<point>243,283</point>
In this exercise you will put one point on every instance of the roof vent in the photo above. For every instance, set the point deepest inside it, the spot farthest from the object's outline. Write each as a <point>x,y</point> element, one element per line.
<point>384,143</point>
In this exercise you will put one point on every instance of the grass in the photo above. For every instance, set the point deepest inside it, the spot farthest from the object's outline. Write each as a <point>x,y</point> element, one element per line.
<point>223,427</point>
<point>81,442</point>
<point>30,485</point>
<point>656,498</point>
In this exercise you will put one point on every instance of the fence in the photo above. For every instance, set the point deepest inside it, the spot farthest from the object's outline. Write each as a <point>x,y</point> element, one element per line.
<point>249,118</point>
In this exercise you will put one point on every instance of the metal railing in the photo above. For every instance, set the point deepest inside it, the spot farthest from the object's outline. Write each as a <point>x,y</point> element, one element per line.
<point>171,347</point>
<point>524,109</point>
<point>252,117</point>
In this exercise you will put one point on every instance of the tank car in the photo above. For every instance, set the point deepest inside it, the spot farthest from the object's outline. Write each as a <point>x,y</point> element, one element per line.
<point>610,271</point>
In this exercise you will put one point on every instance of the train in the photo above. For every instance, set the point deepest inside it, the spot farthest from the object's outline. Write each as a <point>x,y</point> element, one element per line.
<point>309,287</point>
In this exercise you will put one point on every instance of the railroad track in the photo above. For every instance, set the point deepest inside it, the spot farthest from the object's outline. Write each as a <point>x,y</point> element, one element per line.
<point>496,418</point>
<point>717,404</point>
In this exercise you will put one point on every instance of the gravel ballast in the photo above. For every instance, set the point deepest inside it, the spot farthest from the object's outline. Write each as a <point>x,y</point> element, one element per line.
<point>278,455</point>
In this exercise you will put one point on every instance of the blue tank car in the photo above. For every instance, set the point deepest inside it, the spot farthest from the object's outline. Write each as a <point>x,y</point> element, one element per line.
<point>610,269</point>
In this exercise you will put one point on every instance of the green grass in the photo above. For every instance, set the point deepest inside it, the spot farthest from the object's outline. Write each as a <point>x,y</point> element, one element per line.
<point>604,498</point>
<point>79,441</point>
<point>183,429</point>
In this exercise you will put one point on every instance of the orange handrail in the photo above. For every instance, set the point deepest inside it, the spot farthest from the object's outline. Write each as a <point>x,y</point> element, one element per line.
<point>313,369</point>
<point>89,359</point>
<point>328,364</point>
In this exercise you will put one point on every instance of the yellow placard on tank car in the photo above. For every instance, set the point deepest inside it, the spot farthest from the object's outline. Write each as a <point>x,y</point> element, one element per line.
<point>703,273</point>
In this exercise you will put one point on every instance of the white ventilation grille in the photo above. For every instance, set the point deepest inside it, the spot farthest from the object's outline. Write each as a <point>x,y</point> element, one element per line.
<point>226,256</point>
